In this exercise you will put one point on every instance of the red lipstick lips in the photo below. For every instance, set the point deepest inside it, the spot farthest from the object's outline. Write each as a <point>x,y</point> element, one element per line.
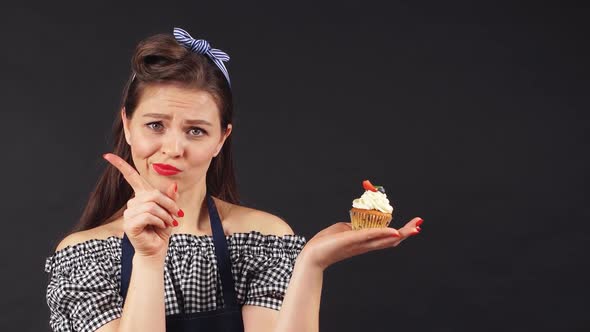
<point>165,169</point>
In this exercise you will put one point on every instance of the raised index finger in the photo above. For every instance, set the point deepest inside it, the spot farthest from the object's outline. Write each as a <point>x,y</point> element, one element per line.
<point>129,173</point>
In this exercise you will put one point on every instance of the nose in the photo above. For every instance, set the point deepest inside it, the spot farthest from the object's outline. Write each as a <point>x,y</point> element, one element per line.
<point>173,145</point>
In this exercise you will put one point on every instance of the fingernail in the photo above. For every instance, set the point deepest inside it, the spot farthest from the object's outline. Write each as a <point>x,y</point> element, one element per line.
<point>180,213</point>
<point>175,187</point>
<point>419,222</point>
<point>104,155</point>
<point>174,222</point>
<point>395,235</point>
<point>418,228</point>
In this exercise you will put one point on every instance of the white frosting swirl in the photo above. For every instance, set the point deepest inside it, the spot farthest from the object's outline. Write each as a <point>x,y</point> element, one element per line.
<point>373,200</point>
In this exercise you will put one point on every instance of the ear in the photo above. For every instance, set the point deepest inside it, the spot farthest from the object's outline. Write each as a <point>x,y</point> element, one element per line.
<point>125,126</point>
<point>223,138</point>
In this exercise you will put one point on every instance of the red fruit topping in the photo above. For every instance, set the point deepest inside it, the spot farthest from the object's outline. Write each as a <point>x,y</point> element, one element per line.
<point>368,186</point>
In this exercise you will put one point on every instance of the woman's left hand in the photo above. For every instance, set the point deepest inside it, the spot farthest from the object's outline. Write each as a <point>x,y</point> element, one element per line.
<point>339,241</point>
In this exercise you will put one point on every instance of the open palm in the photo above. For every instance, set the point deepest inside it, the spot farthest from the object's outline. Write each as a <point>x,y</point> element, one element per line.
<point>339,241</point>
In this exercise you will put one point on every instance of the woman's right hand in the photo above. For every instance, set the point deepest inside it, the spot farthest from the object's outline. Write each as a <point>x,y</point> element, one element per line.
<point>148,219</point>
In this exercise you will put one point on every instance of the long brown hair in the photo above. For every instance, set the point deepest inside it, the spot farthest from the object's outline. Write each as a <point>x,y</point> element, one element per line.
<point>159,59</point>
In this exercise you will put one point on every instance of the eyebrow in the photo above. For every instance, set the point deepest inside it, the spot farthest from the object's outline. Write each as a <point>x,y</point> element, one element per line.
<point>167,117</point>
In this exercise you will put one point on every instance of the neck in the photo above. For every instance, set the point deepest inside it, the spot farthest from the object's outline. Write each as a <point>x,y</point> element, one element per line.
<point>192,202</point>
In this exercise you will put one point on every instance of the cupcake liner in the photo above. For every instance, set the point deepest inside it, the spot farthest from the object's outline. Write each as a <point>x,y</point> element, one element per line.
<point>368,219</point>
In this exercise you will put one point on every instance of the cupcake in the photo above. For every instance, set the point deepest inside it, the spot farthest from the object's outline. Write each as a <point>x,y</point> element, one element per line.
<point>372,209</point>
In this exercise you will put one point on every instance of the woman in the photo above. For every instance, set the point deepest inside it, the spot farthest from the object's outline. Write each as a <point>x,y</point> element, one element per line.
<point>163,244</point>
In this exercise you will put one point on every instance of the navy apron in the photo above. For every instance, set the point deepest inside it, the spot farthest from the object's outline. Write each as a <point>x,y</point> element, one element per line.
<point>226,319</point>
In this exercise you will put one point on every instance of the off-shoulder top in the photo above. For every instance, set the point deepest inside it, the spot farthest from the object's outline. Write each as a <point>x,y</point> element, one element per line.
<point>83,291</point>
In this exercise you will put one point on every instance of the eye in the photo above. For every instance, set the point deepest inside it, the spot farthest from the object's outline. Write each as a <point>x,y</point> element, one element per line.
<point>155,126</point>
<point>197,131</point>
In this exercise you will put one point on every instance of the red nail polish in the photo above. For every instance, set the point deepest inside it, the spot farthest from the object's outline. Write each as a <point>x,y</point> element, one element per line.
<point>395,235</point>
<point>180,213</point>
<point>418,228</point>
<point>174,222</point>
<point>419,222</point>
<point>175,187</point>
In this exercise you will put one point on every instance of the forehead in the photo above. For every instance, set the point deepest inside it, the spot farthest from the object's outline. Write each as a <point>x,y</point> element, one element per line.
<point>178,102</point>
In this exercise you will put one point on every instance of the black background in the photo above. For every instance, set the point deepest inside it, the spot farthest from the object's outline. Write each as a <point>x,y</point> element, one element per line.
<point>473,116</point>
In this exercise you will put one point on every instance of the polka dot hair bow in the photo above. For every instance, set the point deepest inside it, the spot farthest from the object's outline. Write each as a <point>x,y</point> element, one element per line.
<point>202,46</point>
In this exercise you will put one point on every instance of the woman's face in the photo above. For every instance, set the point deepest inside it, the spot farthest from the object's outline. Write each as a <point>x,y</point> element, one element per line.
<point>178,127</point>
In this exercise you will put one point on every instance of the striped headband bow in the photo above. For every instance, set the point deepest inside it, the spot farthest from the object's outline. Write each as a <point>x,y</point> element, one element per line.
<point>202,46</point>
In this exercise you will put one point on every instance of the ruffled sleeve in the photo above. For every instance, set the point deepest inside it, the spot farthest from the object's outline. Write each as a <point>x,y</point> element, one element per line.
<point>83,290</point>
<point>262,266</point>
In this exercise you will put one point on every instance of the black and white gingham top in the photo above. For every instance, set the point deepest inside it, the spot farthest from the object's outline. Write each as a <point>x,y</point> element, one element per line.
<point>84,287</point>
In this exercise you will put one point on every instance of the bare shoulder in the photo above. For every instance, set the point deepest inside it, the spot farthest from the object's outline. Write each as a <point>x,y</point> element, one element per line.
<point>243,219</point>
<point>98,233</point>
<point>266,223</point>
<point>71,240</point>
